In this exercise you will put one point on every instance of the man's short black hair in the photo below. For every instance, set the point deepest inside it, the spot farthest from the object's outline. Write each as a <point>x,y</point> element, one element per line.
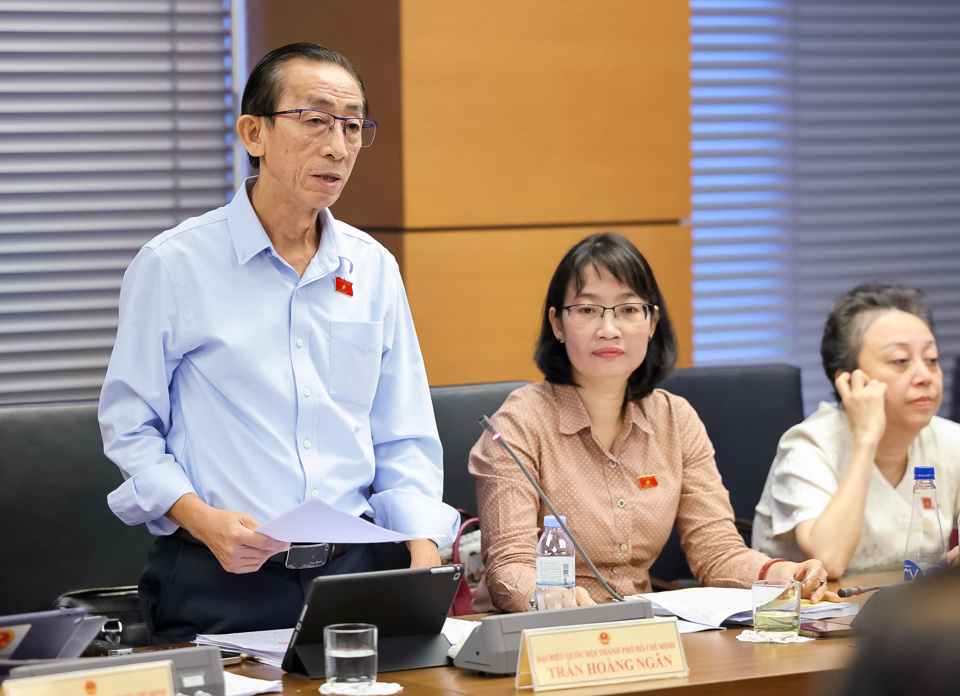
<point>852,314</point>
<point>620,258</point>
<point>265,83</point>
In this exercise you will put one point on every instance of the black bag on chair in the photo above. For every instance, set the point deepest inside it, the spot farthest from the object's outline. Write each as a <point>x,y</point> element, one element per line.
<point>121,605</point>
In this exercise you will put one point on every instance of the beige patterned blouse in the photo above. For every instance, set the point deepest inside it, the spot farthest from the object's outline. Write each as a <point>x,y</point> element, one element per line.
<point>619,517</point>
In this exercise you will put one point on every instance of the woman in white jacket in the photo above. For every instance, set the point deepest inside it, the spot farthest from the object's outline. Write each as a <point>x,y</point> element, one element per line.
<point>840,488</point>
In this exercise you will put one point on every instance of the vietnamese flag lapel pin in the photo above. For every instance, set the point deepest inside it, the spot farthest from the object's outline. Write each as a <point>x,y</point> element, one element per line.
<point>344,286</point>
<point>648,481</point>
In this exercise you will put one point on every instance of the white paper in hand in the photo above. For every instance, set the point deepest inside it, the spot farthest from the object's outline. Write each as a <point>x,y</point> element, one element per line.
<point>315,522</point>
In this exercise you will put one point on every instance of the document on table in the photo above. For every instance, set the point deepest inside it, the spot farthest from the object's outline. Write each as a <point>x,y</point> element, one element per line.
<point>268,646</point>
<point>238,685</point>
<point>713,606</point>
<point>315,522</point>
<point>457,630</point>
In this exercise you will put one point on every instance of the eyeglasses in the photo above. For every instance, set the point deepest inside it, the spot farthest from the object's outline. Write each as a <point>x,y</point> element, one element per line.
<point>358,132</point>
<point>629,313</point>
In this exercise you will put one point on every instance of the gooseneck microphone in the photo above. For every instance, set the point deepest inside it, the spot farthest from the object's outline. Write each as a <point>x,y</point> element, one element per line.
<point>857,591</point>
<point>488,426</point>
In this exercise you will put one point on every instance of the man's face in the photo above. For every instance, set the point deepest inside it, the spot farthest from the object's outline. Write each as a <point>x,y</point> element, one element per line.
<point>300,166</point>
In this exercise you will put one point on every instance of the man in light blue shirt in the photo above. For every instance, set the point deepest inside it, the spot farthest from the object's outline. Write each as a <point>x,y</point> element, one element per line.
<point>265,356</point>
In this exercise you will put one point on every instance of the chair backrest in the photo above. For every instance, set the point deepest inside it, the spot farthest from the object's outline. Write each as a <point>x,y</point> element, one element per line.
<point>60,535</point>
<point>458,408</point>
<point>745,409</point>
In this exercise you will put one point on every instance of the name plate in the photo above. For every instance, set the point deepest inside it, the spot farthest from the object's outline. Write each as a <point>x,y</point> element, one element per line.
<point>604,653</point>
<point>142,679</point>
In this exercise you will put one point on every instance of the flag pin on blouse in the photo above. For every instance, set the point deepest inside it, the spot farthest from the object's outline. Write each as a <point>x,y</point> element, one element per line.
<point>344,286</point>
<point>648,481</point>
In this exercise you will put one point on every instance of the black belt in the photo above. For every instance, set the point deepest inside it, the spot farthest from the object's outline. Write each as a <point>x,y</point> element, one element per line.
<point>299,557</point>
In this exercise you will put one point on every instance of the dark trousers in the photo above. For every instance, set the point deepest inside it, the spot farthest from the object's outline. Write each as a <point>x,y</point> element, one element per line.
<point>185,591</point>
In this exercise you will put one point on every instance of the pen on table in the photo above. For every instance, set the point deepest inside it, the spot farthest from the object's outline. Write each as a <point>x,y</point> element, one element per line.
<point>236,659</point>
<point>855,591</point>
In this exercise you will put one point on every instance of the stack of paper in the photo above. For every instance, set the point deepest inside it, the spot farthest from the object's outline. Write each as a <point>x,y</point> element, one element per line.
<point>712,606</point>
<point>268,646</point>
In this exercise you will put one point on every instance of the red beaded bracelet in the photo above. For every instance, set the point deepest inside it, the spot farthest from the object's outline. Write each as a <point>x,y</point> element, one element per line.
<point>766,566</point>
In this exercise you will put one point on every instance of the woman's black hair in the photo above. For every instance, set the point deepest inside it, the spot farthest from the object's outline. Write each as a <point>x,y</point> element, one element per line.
<point>852,314</point>
<point>620,258</point>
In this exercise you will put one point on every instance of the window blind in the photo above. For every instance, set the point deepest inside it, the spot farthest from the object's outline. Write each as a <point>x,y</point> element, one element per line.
<point>877,156</point>
<point>741,62</point>
<point>825,142</point>
<point>115,124</point>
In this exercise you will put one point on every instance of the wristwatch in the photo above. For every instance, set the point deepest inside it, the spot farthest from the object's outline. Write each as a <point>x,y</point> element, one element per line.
<point>533,602</point>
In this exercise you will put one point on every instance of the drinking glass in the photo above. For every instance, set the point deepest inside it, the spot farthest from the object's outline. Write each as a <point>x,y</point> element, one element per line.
<point>776,608</point>
<point>350,653</point>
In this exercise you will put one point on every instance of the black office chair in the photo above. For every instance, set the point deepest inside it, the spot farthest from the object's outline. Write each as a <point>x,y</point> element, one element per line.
<point>745,409</point>
<point>54,490</point>
<point>458,408</point>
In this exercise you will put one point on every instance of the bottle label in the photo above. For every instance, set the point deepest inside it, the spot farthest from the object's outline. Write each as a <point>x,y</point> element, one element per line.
<point>911,571</point>
<point>556,570</point>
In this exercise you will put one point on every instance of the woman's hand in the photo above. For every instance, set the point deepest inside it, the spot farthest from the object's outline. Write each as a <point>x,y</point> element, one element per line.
<point>863,402</point>
<point>810,574</point>
<point>582,598</point>
<point>953,556</point>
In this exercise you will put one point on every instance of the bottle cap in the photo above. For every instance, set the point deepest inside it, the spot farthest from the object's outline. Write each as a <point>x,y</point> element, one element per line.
<point>551,521</point>
<point>922,472</point>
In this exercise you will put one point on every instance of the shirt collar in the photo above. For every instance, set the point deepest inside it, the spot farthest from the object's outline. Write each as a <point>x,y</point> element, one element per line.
<point>327,258</point>
<point>249,237</point>
<point>573,416</point>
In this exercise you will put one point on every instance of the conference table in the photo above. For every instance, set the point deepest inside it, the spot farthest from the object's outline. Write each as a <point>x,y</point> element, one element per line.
<point>718,662</point>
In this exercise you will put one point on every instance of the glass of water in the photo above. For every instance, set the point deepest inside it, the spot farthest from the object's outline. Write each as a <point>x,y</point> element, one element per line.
<point>350,653</point>
<point>776,608</point>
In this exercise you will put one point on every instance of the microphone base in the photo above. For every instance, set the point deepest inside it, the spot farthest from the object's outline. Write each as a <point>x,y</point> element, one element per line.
<point>494,645</point>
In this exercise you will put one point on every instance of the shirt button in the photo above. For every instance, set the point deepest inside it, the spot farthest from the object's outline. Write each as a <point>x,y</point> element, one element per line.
<point>621,502</point>
<point>315,493</point>
<point>306,391</point>
<point>299,292</point>
<point>306,444</point>
<point>616,570</point>
<point>299,343</point>
<point>623,547</point>
<point>612,463</point>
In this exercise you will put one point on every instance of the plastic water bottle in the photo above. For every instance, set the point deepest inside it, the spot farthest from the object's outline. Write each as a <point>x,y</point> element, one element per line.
<point>556,567</point>
<point>925,548</point>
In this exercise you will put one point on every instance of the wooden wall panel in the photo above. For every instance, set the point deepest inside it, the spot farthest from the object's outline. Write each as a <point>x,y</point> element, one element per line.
<point>477,295</point>
<point>545,112</point>
<point>367,32</point>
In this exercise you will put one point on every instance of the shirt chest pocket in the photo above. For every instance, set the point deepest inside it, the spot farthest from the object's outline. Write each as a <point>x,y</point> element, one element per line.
<point>355,349</point>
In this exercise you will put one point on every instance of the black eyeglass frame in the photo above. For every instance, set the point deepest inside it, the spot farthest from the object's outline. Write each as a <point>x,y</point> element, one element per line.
<point>365,123</point>
<point>648,308</point>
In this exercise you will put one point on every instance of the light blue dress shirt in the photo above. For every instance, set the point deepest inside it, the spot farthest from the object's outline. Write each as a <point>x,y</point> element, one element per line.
<point>236,379</point>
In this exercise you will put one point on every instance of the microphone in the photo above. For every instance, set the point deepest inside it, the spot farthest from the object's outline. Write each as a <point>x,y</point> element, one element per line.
<point>488,426</point>
<point>857,591</point>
